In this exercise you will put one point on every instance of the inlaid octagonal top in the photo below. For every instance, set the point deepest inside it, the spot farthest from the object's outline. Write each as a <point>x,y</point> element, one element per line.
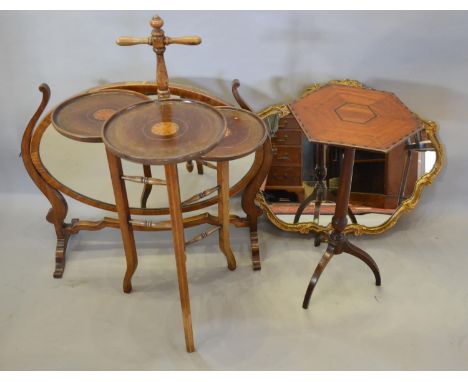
<point>343,115</point>
<point>353,112</point>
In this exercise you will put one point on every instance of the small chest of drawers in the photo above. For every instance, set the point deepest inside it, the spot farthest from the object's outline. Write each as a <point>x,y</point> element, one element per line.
<point>286,169</point>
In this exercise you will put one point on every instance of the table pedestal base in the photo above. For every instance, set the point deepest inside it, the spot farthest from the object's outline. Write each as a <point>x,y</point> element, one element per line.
<point>337,241</point>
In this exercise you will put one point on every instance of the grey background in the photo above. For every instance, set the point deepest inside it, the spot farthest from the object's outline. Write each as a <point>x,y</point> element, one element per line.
<point>421,56</point>
<point>242,319</point>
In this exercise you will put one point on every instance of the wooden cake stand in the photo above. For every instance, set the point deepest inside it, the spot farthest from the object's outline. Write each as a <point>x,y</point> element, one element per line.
<point>352,118</point>
<point>165,133</point>
<point>161,133</point>
<point>84,123</point>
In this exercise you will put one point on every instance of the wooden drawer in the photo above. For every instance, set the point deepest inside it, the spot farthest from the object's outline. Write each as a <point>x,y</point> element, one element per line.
<point>289,122</point>
<point>286,137</point>
<point>282,175</point>
<point>285,155</point>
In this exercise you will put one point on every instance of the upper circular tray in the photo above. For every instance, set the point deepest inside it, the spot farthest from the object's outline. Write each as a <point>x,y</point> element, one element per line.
<point>245,132</point>
<point>81,117</point>
<point>162,132</point>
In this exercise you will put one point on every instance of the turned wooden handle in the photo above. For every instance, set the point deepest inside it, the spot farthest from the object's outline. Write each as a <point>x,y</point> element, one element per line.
<point>128,41</point>
<point>185,40</point>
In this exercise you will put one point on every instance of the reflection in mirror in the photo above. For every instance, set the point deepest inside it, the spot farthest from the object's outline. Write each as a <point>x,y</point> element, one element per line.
<point>303,181</point>
<point>82,167</point>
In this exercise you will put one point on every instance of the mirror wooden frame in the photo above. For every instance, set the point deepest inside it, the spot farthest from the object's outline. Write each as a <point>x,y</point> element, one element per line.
<point>430,128</point>
<point>54,189</point>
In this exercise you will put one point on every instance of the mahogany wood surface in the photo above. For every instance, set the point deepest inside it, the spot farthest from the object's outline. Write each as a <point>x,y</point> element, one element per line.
<point>252,210</point>
<point>245,132</point>
<point>166,131</point>
<point>59,207</point>
<point>357,117</point>
<point>81,117</point>
<point>352,117</point>
<point>263,160</point>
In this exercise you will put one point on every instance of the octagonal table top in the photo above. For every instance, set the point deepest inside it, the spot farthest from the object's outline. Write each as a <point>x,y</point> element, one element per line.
<point>342,115</point>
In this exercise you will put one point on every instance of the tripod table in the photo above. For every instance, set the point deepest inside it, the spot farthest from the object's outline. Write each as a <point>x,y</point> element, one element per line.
<point>351,117</point>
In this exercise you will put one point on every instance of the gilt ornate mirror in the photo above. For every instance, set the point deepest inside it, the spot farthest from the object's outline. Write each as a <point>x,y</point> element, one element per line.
<point>300,191</point>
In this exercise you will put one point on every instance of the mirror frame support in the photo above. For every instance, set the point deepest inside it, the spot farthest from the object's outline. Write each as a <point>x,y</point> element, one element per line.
<point>430,127</point>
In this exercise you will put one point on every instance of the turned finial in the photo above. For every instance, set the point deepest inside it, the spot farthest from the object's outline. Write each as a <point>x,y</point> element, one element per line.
<point>157,22</point>
<point>158,40</point>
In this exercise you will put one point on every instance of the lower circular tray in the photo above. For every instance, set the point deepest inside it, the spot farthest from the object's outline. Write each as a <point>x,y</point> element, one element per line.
<point>81,118</point>
<point>245,133</point>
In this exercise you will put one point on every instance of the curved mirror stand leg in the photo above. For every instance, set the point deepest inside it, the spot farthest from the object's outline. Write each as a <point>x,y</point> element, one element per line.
<point>337,242</point>
<point>248,200</point>
<point>250,192</point>
<point>58,212</point>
